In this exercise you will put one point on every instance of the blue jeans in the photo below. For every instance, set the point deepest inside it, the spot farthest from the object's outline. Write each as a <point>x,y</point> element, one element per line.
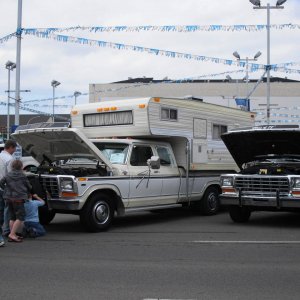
<point>1,214</point>
<point>5,228</point>
<point>34,229</point>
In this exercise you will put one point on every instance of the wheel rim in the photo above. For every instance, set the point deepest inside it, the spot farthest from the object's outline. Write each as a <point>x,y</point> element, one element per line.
<point>101,212</point>
<point>212,201</point>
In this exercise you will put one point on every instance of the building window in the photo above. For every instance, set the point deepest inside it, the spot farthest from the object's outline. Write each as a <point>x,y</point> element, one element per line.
<point>168,114</point>
<point>218,130</point>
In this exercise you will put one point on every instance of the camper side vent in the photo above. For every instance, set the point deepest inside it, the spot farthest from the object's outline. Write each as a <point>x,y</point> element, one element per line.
<point>108,119</point>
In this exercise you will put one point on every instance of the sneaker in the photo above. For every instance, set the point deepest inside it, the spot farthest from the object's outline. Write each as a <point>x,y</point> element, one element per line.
<point>2,243</point>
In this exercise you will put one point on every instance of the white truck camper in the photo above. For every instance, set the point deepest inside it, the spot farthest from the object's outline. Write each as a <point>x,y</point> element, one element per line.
<point>131,155</point>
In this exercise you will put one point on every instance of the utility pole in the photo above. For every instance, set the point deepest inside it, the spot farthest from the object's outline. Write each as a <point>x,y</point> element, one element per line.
<point>18,63</point>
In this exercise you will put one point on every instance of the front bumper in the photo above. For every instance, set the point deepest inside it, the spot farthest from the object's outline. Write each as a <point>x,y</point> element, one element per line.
<point>260,202</point>
<point>64,204</point>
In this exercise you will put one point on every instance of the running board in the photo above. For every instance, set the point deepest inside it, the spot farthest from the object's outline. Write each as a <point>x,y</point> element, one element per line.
<point>135,209</point>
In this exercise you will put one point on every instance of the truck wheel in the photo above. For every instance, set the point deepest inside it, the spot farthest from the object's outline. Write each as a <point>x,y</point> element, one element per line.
<point>210,204</point>
<point>239,214</point>
<point>45,215</point>
<point>98,213</point>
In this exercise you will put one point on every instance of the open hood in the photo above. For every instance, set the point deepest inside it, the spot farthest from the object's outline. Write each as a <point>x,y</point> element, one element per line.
<point>58,144</point>
<point>245,145</point>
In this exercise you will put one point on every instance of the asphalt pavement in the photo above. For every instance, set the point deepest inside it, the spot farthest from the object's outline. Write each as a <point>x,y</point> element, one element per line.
<point>175,254</point>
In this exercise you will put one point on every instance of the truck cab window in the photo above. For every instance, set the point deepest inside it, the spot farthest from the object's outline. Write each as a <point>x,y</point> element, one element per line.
<point>140,155</point>
<point>165,156</point>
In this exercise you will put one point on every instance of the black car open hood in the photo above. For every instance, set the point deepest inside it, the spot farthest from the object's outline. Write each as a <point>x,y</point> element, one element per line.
<point>246,145</point>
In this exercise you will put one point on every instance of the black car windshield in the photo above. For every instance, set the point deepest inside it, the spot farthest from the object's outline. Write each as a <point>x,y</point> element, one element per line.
<point>115,152</point>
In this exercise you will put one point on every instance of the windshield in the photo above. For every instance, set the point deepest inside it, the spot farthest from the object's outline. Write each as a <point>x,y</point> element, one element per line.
<point>116,153</point>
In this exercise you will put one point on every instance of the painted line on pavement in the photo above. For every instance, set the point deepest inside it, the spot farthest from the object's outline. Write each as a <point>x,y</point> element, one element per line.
<point>245,242</point>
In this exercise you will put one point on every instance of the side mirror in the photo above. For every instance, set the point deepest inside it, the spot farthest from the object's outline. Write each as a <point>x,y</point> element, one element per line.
<point>154,162</point>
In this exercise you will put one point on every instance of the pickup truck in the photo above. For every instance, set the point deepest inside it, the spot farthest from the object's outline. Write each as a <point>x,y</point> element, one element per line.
<point>269,177</point>
<point>96,178</point>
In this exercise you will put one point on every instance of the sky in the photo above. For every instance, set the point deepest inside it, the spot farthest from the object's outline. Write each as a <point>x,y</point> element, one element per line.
<point>76,66</point>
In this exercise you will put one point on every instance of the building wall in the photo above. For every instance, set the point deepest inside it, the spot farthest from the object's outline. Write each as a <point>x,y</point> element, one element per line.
<point>284,100</point>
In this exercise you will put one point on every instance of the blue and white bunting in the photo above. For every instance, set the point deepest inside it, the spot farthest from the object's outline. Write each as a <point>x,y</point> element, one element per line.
<point>7,37</point>
<point>153,51</point>
<point>168,28</point>
<point>171,54</point>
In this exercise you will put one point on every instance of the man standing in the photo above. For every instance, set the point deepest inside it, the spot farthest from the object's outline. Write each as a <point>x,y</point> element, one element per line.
<point>6,156</point>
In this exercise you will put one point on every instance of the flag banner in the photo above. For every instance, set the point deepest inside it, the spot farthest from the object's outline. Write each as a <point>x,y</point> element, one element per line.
<point>184,80</point>
<point>153,51</point>
<point>7,37</point>
<point>168,28</point>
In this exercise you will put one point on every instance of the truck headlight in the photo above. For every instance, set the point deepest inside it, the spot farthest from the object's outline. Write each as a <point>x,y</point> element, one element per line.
<point>226,181</point>
<point>296,183</point>
<point>67,184</point>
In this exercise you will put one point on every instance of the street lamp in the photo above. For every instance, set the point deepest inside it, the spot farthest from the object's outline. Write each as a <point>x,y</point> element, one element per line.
<point>9,66</point>
<point>76,94</point>
<point>257,5</point>
<point>54,84</point>
<point>247,59</point>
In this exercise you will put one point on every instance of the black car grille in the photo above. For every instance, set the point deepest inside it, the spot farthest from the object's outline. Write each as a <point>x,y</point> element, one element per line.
<point>50,184</point>
<point>262,184</point>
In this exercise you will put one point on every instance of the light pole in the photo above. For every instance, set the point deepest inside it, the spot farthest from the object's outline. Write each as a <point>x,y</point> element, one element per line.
<point>54,84</point>
<point>247,59</point>
<point>257,5</point>
<point>18,62</point>
<point>9,66</point>
<point>76,94</point>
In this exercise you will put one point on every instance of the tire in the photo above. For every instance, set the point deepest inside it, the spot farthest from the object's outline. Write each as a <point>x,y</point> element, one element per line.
<point>97,214</point>
<point>239,214</point>
<point>210,204</point>
<point>46,215</point>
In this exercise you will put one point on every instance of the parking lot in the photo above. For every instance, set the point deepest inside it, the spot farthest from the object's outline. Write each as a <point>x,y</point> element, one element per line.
<point>175,254</point>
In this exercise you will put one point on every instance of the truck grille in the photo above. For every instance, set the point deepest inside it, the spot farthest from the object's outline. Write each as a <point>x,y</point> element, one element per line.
<point>262,184</point>
<point>50,184</point>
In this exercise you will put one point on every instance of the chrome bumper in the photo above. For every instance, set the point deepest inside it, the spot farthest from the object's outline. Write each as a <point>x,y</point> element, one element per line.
<point>270,202</point>
<point>63,204</point>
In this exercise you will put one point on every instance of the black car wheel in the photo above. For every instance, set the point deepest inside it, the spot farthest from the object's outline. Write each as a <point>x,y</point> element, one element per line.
<point>98,213</point>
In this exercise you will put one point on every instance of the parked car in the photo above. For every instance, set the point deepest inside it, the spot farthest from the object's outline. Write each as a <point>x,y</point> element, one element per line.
<point>27,160</point>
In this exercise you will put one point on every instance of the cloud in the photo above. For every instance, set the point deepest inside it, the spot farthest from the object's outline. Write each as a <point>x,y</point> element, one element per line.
<point>75,66</point>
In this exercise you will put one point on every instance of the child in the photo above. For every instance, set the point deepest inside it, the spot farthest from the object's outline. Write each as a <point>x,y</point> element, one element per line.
<point>16,189</point>
<point>32,225</point>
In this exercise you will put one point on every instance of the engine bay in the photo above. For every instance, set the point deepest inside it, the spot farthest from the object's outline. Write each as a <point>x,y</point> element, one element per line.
<point>273,168</point>
<point>77,171</point>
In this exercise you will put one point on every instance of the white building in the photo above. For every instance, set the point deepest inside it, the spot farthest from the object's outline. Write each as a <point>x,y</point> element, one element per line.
<point>284,100</point>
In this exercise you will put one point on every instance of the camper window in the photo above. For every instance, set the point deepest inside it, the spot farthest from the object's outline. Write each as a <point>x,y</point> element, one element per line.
<point>108,119</point>
<point>168,114</point>
<point>140,155</point>
<point>218,130</point>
